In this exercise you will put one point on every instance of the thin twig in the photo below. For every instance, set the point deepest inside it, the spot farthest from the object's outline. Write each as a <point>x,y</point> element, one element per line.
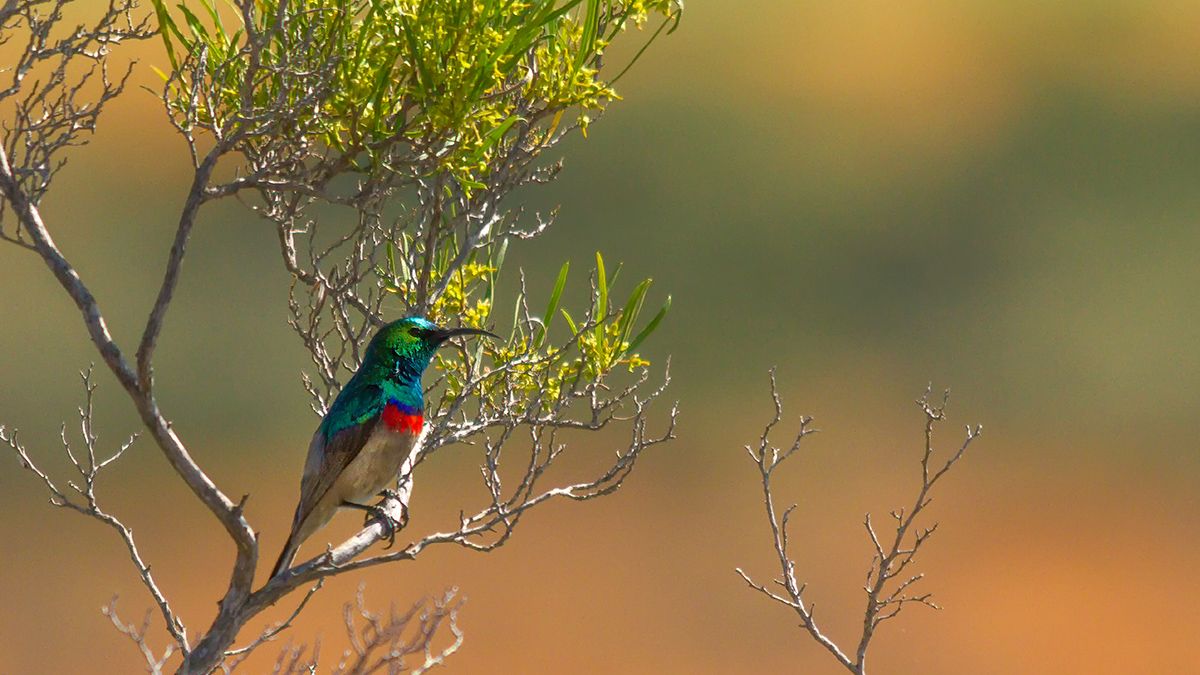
<point>886,593</point>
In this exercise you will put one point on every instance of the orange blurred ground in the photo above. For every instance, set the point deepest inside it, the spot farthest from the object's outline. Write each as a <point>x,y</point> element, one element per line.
<point>1039,570</point>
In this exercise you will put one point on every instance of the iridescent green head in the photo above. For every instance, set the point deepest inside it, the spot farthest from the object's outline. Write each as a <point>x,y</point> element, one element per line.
<point>405,347</point>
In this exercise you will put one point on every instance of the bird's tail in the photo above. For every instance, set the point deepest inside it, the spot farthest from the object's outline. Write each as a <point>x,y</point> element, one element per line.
<point>288,555</point>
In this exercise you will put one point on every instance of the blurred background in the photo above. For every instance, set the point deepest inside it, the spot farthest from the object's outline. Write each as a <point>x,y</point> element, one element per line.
<point>995,197</point>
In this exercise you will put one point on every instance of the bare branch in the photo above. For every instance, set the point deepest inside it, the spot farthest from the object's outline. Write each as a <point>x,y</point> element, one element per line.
<point>890,562</point>
<point>271,633</point>
<point>888,585</point>
<point>88,469</point>
<point>196,198</point>
<point>70,89</point>
<point>389,641</point>
<point>229,513</point>
<point>137,634</point>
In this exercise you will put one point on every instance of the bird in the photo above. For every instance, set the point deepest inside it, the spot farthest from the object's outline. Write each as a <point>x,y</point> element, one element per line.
<point>369,430</point>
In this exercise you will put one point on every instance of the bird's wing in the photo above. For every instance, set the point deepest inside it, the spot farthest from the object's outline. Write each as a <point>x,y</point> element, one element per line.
<point>327,460</point>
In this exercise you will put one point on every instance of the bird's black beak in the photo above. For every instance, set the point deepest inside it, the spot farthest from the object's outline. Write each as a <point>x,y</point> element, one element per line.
<point>440,335</point>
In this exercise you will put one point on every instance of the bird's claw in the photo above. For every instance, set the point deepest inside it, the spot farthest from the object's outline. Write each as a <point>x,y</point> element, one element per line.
<point>390,525</point>
<point>375,513</point>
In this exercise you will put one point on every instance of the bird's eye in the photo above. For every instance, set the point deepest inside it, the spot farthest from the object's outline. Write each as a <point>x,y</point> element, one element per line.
<point>417,333</point>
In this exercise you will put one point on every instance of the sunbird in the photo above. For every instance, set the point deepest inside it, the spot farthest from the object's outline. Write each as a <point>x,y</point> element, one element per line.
<point>370,428</point>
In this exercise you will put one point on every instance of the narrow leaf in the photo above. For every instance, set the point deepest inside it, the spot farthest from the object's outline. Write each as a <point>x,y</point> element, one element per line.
<point>493,137</point>
<point>166,26</point>
<point>641,337</point>
<point>601,303</point>
<point>499,262</point>
<point>632,308</point>
<point>570,322</point>
<point>468,183</point>
<point>554,297</point>
<point>601,288</point>
<point>193,22</point>
<point>587,43</point>
<point>212,13</point>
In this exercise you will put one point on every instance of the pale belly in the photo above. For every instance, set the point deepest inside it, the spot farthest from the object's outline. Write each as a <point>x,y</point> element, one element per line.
<point>376,466</point>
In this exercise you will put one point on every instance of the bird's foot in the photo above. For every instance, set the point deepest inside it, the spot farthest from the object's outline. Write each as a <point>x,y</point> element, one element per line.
<point>392,524</point>
<point>376,513</point>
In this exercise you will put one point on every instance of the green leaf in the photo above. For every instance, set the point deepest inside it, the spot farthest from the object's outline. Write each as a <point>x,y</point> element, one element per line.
<point>587,43</point>
<point>551,13</point>
<point>166,26</point>
<point>570,322</point>
<point>601,308</point>
<point>554,297</point>
<point>516,320</point>
<point>641,337</point>
<point>404,248</point>
<point>632,308</point>
<point>164,76</point>
<point>499,262</point>
<point>496,264</point>
<point>468,183</point>
<point>493,137</point>
<point>601,288</point>
<point>379,98</point>
<point>212,13</point>
<point>601,302</point>
<point>423,80</point>
<point>194,23</point>
<point>612,281</point>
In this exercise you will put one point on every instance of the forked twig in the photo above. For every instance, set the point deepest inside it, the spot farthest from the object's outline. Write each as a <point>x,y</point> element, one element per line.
<point>888,582</point>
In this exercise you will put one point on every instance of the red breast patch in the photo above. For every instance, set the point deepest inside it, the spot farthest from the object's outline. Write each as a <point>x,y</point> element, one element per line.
<point>398,420</point>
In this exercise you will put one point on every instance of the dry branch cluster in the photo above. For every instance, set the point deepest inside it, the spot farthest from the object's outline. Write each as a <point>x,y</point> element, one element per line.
<point>392,643</point>
<point>888,580</point>
<point>57,89</point>
<point>383,160</point>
